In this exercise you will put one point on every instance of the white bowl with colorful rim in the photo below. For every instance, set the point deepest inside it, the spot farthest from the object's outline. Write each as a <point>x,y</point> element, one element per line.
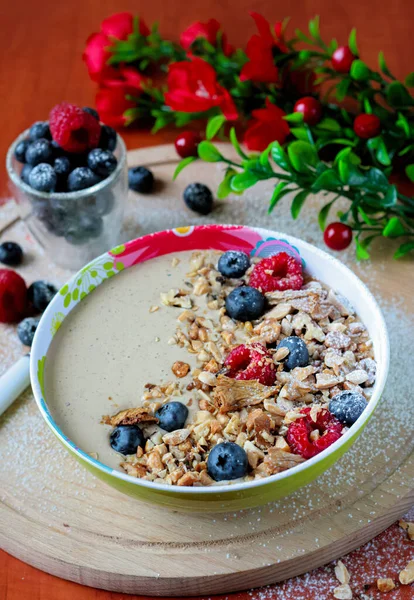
<point>257,243</point>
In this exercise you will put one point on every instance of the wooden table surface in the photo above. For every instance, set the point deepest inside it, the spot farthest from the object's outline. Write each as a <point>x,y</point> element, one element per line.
<point>40,64</point>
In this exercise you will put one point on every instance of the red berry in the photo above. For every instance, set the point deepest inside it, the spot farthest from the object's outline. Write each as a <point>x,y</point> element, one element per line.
<point>311,109</point>
<point>337,236</point>
<point>367,126</point>
<point>298,435</point>
<point>279,272</point>
<point>74,129</point>
<point>342,59</point>
<point>251,362</point>
<point>13,296</point>
<point>186,143</point>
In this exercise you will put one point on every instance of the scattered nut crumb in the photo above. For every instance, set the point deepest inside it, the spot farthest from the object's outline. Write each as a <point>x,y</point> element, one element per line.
<point>154,308</point>
<point>406,576</point>
<point>180,369</point>
<point>343,592</point>
<point>385,585</point>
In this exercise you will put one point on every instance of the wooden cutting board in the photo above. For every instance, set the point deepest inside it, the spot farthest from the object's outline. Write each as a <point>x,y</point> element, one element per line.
<point>57,517</point>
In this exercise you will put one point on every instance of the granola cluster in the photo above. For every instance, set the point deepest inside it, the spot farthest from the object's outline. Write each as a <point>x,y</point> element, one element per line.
<point>254,416</point>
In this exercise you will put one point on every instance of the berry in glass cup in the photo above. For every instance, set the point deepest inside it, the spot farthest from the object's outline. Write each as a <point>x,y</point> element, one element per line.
<point>337,236</point>
<point>310,108</point>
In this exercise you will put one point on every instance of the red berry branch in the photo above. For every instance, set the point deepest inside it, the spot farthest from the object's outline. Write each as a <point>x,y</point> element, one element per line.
<point>289,98</point>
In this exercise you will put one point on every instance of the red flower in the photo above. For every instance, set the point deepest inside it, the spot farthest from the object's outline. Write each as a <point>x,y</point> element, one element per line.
<point>193,87</point>
<point>209,31</point>
<point>96,53</point>
<point>261,67</point>
<point>111,102</point>
<point>267,126</point>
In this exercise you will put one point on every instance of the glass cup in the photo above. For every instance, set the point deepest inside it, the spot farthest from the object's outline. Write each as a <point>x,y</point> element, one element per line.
<point>73,227</point>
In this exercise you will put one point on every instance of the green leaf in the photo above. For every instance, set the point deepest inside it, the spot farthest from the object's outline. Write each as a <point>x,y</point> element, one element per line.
<point>304,38</point>
<point>296,117</point>
<point>224,188</point>
<point>376,180</point>
<point>300,133</point>
<point>349,174</point>
<point>235,142</point>
<point>279,156</point>
<point>398,96</point>
<point>352,42</point>
<point>367,106</point>
<point>404,249</point>
<point>277,194</point>
<point>394,228</point>
<point>342,88</point>
<point>327,180</point>
<point>359,70</point>
<point>406,150</point>
<point>182,164</point>
<point>302,155</point>
<point>383,65</point>
<point>298,202</point>
<point>242,181</point>
<point>329,125</point>
<point>365,217</point>
<point>361,252</point>
<point>208,152</point>
<point>390,197</point>
<point>264,158</point>
<point>214,125</point>
<point>314,27</point>
<point>403,124</point>
<point>379,149</point>
<point>409,80</point>
<point>409,171</point>
<point>323,215</point>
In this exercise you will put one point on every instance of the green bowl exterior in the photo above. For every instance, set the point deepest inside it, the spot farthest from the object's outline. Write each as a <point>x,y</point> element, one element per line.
<point>219,502</point>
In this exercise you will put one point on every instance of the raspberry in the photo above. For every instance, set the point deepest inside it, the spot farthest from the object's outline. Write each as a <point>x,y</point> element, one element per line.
<point>74,129</point>
<point>251,362</point>
<point>279,272</point>
<point>298,433</point>
<point>13,296</point>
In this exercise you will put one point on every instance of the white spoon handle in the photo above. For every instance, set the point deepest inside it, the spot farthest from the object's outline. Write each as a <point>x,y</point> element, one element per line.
<point>14,381</point>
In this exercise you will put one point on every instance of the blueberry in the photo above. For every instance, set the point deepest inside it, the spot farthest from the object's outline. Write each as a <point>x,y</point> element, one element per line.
<point>245,304</point>
<point>233,264</point>
<point>298,352</point>
<point>140,180</point>
<point>56,149</point>
<point>91,111</point>
<point>172,416</point>
<point>125,439</point>
<point>40,294</point>
<point>198,198</point>
<point>25,172</point>
<point>81,178</point>
<point>39,151</point>
<point>347,407</point>
<point>61,166</point>
<point>227,461</point>
<point>20,151</point>
<point>38,130</point>
<point>83,229</point>
<point>43,178</point>
<point>102,162</point>
<point>11,254</point>
<point>107,141</point>
<point>26,330</point>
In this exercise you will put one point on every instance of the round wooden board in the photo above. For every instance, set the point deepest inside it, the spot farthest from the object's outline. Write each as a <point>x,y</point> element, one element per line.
<point>57,517</point>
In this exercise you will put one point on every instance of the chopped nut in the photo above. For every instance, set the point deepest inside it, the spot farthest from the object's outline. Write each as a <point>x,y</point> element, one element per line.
<point>325,381</point>
<point>176,437</point>
<point>130,416</point>
<point>277,460</point>
<point>357,377</point>
<point>343,592</point>
<point>180,369</point>
<point>341,572</point>
<point>176,298</point>
<point>205,478</point>
<point>214,351</point>
<point>154,309</point>
<point>175,261</point>
<point>409,528</point>
<point>406,576</point>
<point>281,444</point>
<point>337,340</point>
<point>385,585</point>
<point>212,366</point>
<point>254,454</point>
<point>281,354</point>
<point>208,378</point>
<point>232,394</point>
<point>186,315</point>
<point>279,311</point>
<point>154,462</point>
